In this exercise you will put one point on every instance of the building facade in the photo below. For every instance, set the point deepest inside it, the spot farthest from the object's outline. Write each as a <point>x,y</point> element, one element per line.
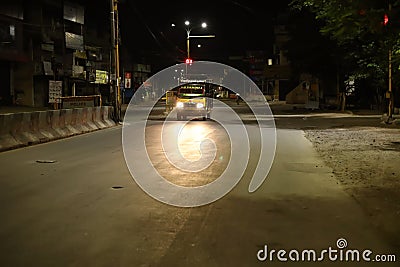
<point>278,70</point>
<point>53,40</point>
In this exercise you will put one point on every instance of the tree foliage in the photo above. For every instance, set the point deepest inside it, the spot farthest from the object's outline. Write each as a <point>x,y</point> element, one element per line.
<point>358,28</point>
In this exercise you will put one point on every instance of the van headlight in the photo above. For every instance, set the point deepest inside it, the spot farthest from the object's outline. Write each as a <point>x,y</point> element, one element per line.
<point>179,104</point>
<point>200,105</point>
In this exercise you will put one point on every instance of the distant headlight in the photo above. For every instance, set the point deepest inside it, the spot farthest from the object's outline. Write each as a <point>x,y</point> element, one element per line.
<point>179,105</point>
<point>200,105</point>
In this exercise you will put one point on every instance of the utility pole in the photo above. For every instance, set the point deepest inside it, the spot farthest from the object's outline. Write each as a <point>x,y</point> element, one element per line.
<point>115,59</point>
<point>390,93</point>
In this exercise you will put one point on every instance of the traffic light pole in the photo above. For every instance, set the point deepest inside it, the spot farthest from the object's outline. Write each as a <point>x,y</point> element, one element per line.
<point>390,91</point>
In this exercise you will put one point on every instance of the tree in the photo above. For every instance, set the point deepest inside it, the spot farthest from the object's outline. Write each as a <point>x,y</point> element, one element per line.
<point>365,30</point>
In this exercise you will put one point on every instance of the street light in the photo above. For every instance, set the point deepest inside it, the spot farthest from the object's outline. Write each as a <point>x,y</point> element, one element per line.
<point>188,36</point>
<point>189,29</point>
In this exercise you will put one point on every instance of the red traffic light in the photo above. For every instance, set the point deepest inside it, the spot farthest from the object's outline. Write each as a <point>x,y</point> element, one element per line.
<point>385,19</point>
<point>188,61</point>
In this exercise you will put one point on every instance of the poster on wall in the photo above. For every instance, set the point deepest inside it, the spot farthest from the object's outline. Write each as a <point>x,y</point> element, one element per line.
<point>55,91</point>
<point>127,83</point>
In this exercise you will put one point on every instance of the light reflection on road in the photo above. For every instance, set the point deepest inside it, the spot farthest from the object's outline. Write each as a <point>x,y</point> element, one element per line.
<point>190,139</point>
<point>204,144</point>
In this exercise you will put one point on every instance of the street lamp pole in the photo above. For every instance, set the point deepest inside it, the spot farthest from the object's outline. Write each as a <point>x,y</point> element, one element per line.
<point>188,36</point>
<point>188,43</point>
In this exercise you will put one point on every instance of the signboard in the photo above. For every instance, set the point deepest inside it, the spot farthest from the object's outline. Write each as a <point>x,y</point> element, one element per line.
<point>78,101</point>
<point>73,41</point>
<point>74,12</point>
<point>47,68</point>
<point>80,54</point>
<point>128,80</point>
<point>101,77</point>
<point>55,91</point>
<point>78,71</point>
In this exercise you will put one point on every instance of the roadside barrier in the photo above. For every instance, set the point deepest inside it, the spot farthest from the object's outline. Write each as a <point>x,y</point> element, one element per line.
<point>28,128</point>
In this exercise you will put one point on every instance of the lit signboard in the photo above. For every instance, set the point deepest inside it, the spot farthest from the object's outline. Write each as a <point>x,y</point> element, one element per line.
<point>101,77</point>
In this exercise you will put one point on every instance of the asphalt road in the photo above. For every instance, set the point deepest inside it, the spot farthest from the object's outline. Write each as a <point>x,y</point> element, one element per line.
<point>80,206</point>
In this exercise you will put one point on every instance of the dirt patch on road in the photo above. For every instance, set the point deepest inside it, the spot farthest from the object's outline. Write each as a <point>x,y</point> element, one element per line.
<point>366,161</point>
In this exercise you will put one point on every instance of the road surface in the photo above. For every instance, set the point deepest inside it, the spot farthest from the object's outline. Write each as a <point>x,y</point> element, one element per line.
<point>73,202</point>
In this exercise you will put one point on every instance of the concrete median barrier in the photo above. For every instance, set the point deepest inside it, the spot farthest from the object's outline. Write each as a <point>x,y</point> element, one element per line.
<point>7,140</point>
<point>106,115</point>
<point>28,128</point>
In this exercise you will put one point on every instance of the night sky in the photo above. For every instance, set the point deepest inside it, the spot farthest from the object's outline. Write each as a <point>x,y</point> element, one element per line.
<point>238,26</point>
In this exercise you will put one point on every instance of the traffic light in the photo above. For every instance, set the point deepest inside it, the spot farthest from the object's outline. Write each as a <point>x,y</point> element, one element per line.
<point>385,19</point>
<point>188,61</point>
<point>391,18</point>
